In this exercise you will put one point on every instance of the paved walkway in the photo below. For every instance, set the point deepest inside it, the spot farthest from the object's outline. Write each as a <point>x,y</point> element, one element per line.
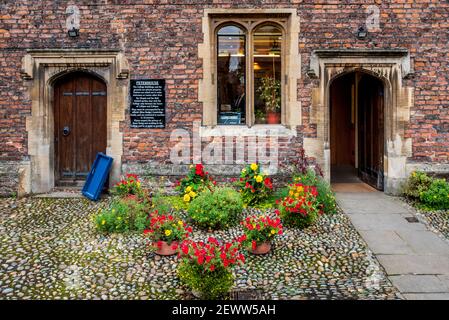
<point>416,260</point>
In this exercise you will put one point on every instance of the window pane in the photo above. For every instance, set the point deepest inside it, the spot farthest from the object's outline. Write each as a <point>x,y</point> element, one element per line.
<point>231,73</point>
<point>267,74</point>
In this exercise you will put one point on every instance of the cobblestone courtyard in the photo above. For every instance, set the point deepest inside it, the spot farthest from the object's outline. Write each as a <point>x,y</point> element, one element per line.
<point>50,250</point>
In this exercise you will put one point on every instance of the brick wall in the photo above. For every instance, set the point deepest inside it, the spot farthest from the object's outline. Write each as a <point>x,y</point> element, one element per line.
<point>160,40</point>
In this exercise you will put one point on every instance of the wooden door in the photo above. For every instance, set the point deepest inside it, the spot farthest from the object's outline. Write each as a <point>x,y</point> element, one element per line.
<point>80,125</point>
<point>342,135</point>
<point>371,131</point>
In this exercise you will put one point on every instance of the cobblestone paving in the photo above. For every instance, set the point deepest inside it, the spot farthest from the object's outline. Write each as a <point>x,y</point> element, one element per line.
<point>437,221</point>
<point>50,250</point>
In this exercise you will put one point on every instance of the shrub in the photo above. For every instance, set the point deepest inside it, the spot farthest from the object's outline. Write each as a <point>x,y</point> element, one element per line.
<point>325,196</point>
<point>260,229</point>
<point>165,204</point>
<point>300,208</point>
<point>122,216</point>
<point>129,185</point>
<point>215,210</point>
<point>166,228</point>
<point>436,197</point>
<point>206,267</point>
<point>254,186</point>
<point>196,181</point>
<point>417,183</point>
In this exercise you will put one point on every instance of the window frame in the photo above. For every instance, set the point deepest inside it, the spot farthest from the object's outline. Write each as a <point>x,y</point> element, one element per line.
<point>245,34</point>
<point>249,26</point>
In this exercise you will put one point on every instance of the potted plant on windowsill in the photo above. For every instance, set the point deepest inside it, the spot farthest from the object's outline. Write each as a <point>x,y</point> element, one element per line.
<point>165,233</point>
<point>259,232</point>
<point>270,92</point>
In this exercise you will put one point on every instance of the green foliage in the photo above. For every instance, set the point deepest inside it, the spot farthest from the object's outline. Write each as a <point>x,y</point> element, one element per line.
<point>325,197</point>
<point>122,216</point>
<point>254,186</point>
<point>196,181</point>
<point>129,185</point>
<point>270,92</point>
<point>300,208</point>
<point>417,183</point>
<point>165,204</point>
<point>211,284</point>
<point>260,229</point>
<point>436,197</point>
<point>216,210</point>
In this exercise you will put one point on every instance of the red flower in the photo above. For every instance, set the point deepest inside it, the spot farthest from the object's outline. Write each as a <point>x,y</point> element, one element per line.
<point>212,267</point>
<point>174,246</point>
<point>254,244</point>
<point>200,259</point>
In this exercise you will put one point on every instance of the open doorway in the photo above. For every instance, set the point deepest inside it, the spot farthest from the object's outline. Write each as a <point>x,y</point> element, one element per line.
<point>357,130</point>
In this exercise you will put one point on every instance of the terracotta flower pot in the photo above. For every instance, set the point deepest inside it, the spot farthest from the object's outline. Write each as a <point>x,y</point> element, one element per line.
<point>166,249</point>
<point>273,118</point>
<point>263,248</point>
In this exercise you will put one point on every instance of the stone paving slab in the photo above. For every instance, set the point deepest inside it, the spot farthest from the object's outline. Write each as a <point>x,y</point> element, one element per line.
<point>385,242</point>
<point>420,283</point>
<point>371,203</point>
<point>427,296</point>
<point>424,242</point>
<point>415,259</point>
<point>414,264</point>
<point>383,222</point>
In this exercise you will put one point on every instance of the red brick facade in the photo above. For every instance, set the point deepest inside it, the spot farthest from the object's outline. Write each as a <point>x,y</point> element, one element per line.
<point>160,40</point>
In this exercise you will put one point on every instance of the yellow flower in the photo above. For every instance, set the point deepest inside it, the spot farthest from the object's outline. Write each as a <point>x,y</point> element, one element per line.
<point>300,189</point>
<point>191,166</point>
<point>192,194</point>
<point>254,166</point>
<point>273,231</point>
<point>186,198</point>
<point>180,223</point>
<point>259,179</point>
<point>103,222</point>
<point>291,193</point>
<point>167,232</point>
<point>188,189</point>
<point>243,170</point>
<point>138,184</point>
<point>296,195</point>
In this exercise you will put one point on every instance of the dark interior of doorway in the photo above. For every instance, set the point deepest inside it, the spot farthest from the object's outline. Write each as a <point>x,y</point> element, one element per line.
<point>356,130</point>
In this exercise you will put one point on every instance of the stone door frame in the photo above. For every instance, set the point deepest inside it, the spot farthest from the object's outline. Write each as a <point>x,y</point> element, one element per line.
<point>391,67</point>
<point>40,70</point>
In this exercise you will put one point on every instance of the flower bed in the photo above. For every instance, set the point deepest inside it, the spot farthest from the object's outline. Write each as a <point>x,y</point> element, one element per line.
<point>65,258</point>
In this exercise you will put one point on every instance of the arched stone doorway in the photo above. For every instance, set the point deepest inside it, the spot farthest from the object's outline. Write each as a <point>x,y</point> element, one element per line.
<point>389,65</point>
<point>357,144</point>
<point>80,130</point>
<point>41,70</point>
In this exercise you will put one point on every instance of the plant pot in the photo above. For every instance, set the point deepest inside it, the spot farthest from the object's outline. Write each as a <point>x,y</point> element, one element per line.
<point>166,249</point>
<point>262,248</point>
<point>273,118</point>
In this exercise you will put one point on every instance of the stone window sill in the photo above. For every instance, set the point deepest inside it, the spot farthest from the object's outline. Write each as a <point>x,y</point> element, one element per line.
<point>245,131</point>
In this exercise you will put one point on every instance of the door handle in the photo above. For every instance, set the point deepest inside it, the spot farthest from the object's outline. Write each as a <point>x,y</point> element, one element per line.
<point>66,131</point>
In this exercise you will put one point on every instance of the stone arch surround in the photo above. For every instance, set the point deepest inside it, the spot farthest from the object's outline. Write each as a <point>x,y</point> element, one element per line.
<point>40,70</point>
<point>390,66</point>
